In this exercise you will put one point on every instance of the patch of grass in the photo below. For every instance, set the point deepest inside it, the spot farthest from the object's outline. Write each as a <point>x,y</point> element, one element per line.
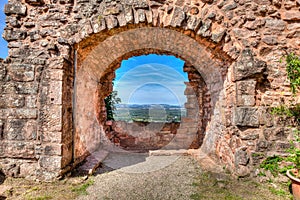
<point>232,197</point>
<point>278,192</point>
<point>196,196</point>
<point>81,190</point>
<point>195,184</point>
<point>261,174</point>
<point>46,197</point>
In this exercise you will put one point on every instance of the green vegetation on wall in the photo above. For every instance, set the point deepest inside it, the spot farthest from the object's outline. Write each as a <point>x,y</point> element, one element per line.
<point>275,163</point>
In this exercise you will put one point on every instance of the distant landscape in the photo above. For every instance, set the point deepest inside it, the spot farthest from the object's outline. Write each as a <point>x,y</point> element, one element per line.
<point>149,112</point>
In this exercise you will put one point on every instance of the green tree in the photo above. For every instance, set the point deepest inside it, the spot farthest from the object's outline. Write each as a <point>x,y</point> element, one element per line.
<point>110,104</point>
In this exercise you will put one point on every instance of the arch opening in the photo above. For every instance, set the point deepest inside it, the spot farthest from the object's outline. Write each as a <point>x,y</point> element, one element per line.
<point>161,97</point>
<point>97,71</point>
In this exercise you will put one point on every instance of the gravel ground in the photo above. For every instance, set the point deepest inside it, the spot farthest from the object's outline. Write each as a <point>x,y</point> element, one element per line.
<point>154,177</point>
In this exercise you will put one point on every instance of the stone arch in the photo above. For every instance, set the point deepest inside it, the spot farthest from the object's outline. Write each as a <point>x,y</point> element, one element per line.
<point>136,41</point>
<point>37,77</point>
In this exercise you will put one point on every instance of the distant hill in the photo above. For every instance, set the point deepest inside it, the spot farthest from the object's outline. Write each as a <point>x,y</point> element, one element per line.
<point>148,106</point>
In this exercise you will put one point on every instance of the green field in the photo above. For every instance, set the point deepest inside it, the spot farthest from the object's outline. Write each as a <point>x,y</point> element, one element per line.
<point>149,114</point>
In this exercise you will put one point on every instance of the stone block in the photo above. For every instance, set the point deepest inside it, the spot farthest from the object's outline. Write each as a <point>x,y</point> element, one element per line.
<point>55,92</point>
<point>250,134</point>
<point>52,116</point>
<point>242,171</point>
<point>17,149</point>
<point>246,92</point>
<point>241,157</point>
<point>13,35</point>
<point>128,14</point>
<point>35,2</point>
<point>247,67</point>
<point>204,28</point>
<point>265,117</point>
<point>24,113</point>
<point>49,149</point>
<point>275,24</point>
<point>217,33</point>
<point>31,101</point>
<point>19,129</point>
<point>2,72</point>
<point>15,8</point>
<point>262,146</point>
<point>139,16</point>
<point>26,88</point>
<point>290,15</point>
<point>12,101</point>
<point>193,23</point>
<point>28,170</point>
<point>21,113</point>
<point>50,163</point>
<point>51,137</point>
<point>178,17</point>
<point>281,146</point>
<point>139,4</point>
<point>275,134</point>
<point>111,22</point>
<point>246,116</point>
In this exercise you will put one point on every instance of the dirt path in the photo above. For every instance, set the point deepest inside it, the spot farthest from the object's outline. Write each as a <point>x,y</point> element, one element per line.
<point>171,177</point>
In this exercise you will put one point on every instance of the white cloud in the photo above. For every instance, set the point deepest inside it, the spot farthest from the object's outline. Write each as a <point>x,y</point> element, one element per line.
<point>154,83</point>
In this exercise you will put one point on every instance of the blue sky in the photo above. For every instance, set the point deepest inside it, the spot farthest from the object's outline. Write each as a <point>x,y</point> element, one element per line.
<point>151,79</point>
<point>3,43</point>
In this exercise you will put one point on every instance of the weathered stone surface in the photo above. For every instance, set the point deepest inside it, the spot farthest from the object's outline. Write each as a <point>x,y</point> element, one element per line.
<point>242,171</point>
<point>262,146</point>
<point>22,72</point>
<point>50,163</point>
<point>271,40</point>
<point>12,101</point>
<point>16,149</point>
<point>2,71</point>
<point>140,4</point>
<point>275,24</point>
<point>193,23</point>
<point>12,35</point>
<point>247,66</point>
<point>15,8</point>
<point>250,134</point>
<point>275,134</point>
<point>18,129</point>
<point>252,25</point>
<point>205,28</point>
<point>178,17</point>
<point>35,2</point>
<point>246,91</point>
<point>111,22</point>
<point>241,157</point>
<point>217,34</point>
<point>291,15</point>
<point>246,116</point>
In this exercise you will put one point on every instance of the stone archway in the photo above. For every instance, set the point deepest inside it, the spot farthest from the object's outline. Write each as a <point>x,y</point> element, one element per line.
<point>241,43</point>
<point>102,58</point>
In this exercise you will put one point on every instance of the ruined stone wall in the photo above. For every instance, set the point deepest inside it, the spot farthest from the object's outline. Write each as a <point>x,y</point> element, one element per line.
<point>235,45</point>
